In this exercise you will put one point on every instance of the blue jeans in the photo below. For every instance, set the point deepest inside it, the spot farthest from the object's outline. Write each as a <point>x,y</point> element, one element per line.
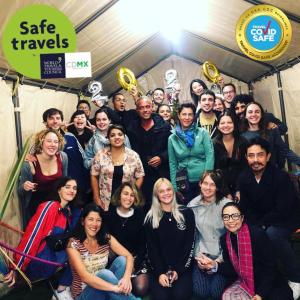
<point>279,237</point>
<point>112,275</point>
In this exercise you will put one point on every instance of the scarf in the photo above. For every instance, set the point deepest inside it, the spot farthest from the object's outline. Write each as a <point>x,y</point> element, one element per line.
<point>188,136</point>
<point>243,264</point>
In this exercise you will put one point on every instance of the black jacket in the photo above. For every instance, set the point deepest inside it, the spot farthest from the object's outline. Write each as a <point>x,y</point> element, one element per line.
<point>230,166</point>
<point>158,142</point>
<point>272,201</point>
<point>266,276</point>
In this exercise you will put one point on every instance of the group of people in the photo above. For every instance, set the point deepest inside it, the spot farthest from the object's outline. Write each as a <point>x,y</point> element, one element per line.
<point>175,204</point>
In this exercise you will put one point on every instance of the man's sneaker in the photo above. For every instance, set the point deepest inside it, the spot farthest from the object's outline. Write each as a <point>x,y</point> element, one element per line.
<point>64,295</point>
<point>295,287</point>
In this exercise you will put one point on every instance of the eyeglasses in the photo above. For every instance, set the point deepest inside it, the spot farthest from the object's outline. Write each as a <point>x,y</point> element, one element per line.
<point>234,217</point>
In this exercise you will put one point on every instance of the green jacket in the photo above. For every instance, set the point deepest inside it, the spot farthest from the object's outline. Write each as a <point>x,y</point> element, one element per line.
<point>197,159</point>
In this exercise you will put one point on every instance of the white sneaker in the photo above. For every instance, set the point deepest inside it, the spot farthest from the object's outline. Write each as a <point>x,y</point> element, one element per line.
<point>295,287</point>
<point>64,295</point>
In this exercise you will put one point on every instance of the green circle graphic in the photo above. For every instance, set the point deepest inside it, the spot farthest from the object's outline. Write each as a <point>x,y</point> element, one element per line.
<point>34,30</point>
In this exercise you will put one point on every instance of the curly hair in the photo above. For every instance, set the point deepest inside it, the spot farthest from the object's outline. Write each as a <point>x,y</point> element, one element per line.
<point>40,137</point>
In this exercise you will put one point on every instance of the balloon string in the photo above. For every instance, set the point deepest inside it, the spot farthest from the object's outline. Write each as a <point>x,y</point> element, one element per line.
<point>16,267</point>
<point>30,256</point>
<point>11,227</point>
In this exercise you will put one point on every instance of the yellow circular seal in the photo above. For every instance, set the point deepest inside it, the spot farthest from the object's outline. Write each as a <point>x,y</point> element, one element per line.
<point>263,32</point>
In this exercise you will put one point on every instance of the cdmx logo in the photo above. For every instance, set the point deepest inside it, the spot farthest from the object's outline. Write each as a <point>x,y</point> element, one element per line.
<point>77,64</point>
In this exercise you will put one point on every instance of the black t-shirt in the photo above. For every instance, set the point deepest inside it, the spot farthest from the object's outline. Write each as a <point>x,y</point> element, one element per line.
<point>117,178</point>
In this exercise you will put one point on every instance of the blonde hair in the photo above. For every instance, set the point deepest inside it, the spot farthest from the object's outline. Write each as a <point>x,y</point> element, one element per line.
<point>155,213</point>
<point>138,198</point>
<point>40,137</point>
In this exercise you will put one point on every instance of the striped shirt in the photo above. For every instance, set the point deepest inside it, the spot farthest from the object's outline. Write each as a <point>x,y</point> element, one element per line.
<point>93,262</point>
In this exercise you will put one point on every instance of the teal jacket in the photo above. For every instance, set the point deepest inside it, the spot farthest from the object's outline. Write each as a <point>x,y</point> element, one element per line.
<point>197,159</point>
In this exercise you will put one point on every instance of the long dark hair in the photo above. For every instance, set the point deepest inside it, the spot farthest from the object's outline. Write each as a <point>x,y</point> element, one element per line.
<point>228,113</point>
<point>262,126</point>
<point>102,235</point>
<point>196,98</point>
<point>61,182</point>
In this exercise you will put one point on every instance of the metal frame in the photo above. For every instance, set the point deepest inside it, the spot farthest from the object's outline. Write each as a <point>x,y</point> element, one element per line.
<point>291,16</point>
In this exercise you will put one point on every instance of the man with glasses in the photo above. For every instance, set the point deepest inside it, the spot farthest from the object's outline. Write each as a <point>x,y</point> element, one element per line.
<point>269,200</point>
<point>229,92</point>
<point>148,137</point>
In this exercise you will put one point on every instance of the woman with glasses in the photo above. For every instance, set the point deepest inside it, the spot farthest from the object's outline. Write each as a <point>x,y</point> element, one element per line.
<point>248,259</point>
<point>99,140</point>
<point>114,165</point>
<point>207,209</point>
<point>190,151</point>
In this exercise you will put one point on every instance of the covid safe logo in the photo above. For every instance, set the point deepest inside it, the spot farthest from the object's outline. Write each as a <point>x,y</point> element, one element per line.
<point>263,32</point>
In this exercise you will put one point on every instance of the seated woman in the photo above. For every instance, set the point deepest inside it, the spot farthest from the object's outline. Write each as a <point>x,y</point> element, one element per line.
<point>99,140</point>
<point>80,128</point>
<point>88,252</point>
<point>197,86</point>
<point>51,219</point>
<point>170,241</point>
<point>255,126</point>
<point>248,256</point>
<point>125,220</point>
<point>207,208</point>
<point>164,110</point>
<point>229,149</point>
<point>114,165</point>
<point>38,177</point>
<point>190,149</point>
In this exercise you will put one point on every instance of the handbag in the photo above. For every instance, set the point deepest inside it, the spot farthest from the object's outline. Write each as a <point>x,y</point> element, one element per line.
<point>182,181</point>
<point>58,242</point>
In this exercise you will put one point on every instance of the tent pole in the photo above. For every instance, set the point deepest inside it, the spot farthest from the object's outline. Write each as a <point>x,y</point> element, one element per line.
<point>250,88</point>
<point>15,100</point>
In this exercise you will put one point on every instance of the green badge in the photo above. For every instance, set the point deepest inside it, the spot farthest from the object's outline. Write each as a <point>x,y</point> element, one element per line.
<point>34,30</point>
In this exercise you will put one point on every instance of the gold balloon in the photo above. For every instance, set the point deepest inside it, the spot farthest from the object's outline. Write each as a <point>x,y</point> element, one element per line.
<point>126,78</point>
<point>209,67</point>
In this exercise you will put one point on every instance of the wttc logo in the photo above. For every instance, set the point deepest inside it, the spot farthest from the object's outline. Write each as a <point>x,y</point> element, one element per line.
<point>78,64</point>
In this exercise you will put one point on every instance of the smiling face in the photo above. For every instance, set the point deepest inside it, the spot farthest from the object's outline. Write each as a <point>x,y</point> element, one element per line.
<point>68,192</point>
<point>228,93</point>
<point>92,224</point>
<point>54,122</point>
<point>144,108</point>
<point>253,114</point>
<point>165,112</point>
<point>50,144</point>
<point>165,193</point>
<point>226,125</point>
<point>102,121</point>
<point>186,117</point>
<point>207,103</point>
<point>116,138</point>
<point>240,108</point>
<point>158,96</point>
<point>232,218</point>
<point>80,122</point>
<point>197,88</point>
<point>218,105</point>
<point>127,197</point>
<point>208,189</point>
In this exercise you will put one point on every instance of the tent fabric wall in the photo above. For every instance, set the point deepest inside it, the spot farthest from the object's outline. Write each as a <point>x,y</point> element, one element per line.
<point>266,92</point>
<point>34,101</point>
<point>8,156</point>
<point>186,70</point>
